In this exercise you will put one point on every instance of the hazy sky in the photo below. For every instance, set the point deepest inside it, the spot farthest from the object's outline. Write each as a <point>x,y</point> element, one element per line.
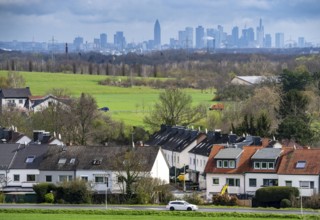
<point>24,20</point>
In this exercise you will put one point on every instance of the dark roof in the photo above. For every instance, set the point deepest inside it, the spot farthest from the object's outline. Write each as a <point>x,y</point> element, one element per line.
<point>91,157</point>
<point>36,150</point>
<point>204,147</point>
<point>15,93</point>
<point>7,152</point>
<point>174,138</point>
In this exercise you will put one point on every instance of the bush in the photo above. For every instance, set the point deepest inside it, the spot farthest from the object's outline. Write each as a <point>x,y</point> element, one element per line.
<point>194,198</point>
<point>74,192</point>
<point>272,196</point>
<point>42,189</point>
<point>285,203</point>
<point>224,200</point>
<point>312,202</point>
<point>2,198</point>
<point>49,198</point>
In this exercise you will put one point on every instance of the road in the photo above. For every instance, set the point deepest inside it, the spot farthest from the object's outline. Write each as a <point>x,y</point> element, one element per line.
<point>157,208</point>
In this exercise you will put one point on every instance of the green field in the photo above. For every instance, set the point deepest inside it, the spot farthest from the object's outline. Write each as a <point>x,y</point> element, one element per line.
<point>127,104</point>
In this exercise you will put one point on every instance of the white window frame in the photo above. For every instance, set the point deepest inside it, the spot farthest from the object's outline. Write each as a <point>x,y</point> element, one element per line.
<point>219,163</point>
<point>215,179</point>
<point>232,164</point>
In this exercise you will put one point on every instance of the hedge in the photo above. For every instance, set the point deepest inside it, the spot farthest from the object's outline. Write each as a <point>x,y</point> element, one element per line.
<point>276,193</point>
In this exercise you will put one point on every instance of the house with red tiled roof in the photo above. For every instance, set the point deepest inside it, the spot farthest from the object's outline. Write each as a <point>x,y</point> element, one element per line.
<point>301,168</point>
<point>227,166</point>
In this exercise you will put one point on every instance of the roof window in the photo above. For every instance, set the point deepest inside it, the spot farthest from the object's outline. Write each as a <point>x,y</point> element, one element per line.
<point>301,164</point>
<point>30,159</point>
<point>62,161</point>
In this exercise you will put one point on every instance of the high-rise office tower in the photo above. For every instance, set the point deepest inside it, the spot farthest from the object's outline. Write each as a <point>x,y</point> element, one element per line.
<point>189,39</point>
<point>119,40</point>
<point>157,35</point>
<point>235,36</point>
<point>268,41</point>
<point>199,37</point>
<point>279,40</point>
<point>78,42</point>
<point>260,34</point>
<point>103,40</point>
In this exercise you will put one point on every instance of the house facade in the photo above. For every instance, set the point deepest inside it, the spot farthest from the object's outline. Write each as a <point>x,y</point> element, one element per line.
<point>15,98</point>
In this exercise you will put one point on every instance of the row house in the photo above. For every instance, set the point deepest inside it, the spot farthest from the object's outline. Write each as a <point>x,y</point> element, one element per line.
<point>22,166</point>
<point>244,170</point>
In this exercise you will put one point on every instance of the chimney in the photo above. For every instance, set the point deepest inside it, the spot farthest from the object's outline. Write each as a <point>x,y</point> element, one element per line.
<point>265,142</point>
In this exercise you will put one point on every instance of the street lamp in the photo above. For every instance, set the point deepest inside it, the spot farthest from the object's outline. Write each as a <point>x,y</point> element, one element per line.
<point>107,180</point>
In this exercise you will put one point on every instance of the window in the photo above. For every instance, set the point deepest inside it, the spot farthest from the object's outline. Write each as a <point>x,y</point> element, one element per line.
<point>16,178</point>
<point>271,165</point>
<point>225,164</point>
<point>31,178</point>
<point>252,182</point>
<point>233,182</point>
<point>306,184</point>
<point>301,164</point>
<point>72,160</point>
<point>62,161</point>
<point>65,178</point>
<point>84,178</point>
<point>232,164</point>
<point>219,163</point>
<point>288,183</point>
<point>264,165</point>
<point>48,178</point>
<point>20,101</point>
<point>256,165</point>
<point>97,161</point>
<point>30,159</point>
<point>99,179</point>
<point>270,182</point>
<point>215,181</point>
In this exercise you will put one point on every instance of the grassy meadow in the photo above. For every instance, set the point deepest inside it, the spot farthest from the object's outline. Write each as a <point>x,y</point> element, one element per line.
<point>127,104</point>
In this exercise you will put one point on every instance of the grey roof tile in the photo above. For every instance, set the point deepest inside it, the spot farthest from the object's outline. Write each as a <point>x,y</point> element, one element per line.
<point>267,153</point>
<point>229,153</point>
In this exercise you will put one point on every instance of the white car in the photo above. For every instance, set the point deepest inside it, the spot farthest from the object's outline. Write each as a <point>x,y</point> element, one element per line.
<point>181,205</point>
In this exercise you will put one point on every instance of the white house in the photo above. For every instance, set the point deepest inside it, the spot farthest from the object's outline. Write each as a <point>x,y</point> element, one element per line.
<point>15,98</point>
<point>39,103</point>
<point>301,168</point>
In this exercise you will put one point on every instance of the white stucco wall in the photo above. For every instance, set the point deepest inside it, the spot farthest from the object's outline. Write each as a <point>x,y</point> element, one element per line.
<point>23,177</point>
<point>296,183</point>
<point>215,189</point>
<point>259,180</point>
<point>5,102</point>
<point>160,168</point>
<point>24,140</point>
<point>55,175</point>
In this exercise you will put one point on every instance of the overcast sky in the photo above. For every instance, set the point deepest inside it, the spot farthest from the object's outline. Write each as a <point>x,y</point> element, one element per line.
<point>25,20</point>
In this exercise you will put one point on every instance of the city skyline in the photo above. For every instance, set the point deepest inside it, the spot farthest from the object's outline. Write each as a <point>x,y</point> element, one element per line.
<point>38,20</point>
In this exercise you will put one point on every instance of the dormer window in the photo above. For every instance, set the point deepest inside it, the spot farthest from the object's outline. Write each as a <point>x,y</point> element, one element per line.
<point>62,161</point>
<point>30,159</point>
<point>72,160</point>
<point>258,165</point>
<point>226,164</point>
<point>301,165</point>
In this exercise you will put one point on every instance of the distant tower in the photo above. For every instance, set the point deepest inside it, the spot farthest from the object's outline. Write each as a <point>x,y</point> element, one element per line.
<point>260,34</point>
<point>157,35</point>
<point>199,37</point>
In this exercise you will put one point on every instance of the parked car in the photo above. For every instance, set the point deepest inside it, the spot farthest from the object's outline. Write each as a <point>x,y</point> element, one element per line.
<point>181,205</point>
<point>104,109</point>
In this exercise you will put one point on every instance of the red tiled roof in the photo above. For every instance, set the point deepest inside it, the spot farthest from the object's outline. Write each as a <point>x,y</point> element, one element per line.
<point>242,166</point>
<point>311,156</point>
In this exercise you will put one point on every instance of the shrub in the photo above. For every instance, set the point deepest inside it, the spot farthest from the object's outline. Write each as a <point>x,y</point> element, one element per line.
<point>42,189</point>
<point>272,196</point>
<point>312,202</point>
<point>2,198</point>
<point>285,203</point>
<point>194,198</point>
<point>220,199</point>
<point>74,192</point>
<point>49,198</point>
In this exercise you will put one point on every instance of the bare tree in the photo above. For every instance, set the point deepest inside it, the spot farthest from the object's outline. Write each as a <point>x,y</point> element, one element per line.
<point>15,80</point>
<point>174,108</point>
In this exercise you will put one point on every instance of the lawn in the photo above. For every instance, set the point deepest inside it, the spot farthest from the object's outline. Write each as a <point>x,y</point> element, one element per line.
<point>32,216</point>
<point>126,104</point>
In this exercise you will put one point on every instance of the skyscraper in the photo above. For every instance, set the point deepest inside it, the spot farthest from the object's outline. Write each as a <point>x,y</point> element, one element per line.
<point>301,42</point>
<point>189,39</point>
<point>119,40</point>
<point>235,36</point>
<point>157,35</point>
<point>268,41</point>
<point>199,37</point>
<point>279,40</point>
<point>103,40</point>
<point>260,34</point>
